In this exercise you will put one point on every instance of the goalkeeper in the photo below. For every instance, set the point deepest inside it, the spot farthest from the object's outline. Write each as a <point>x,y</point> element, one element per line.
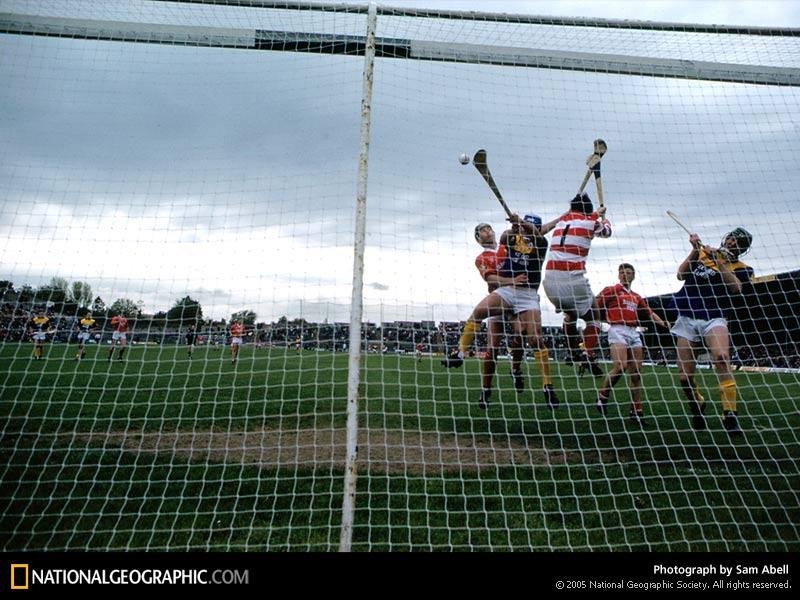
<point>711,277</point>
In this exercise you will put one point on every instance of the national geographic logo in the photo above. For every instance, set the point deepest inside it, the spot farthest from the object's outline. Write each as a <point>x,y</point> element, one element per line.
<point>22,576</point>
<point>19,577</point>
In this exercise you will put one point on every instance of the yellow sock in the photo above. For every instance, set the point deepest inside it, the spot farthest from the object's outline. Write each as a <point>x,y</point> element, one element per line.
<point>467,336</point>
<point>698,397</point>
<point>543,360</point>
<point>727,391</point>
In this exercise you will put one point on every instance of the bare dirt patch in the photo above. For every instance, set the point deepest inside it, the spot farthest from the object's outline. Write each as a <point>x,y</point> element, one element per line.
<point>379,450</point>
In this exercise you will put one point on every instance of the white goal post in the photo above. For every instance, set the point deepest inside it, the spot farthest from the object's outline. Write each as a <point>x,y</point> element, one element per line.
<point>216,153</point>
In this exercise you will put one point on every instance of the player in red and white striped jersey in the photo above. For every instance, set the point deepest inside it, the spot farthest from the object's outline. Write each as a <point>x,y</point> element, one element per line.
<point>621,307</point>
<point>565,280</point>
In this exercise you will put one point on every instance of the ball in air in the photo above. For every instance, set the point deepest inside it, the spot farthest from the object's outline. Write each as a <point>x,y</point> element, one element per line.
<point>463,158</point>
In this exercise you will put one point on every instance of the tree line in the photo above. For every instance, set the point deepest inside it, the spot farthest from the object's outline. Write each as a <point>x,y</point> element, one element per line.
<point>76,298</point>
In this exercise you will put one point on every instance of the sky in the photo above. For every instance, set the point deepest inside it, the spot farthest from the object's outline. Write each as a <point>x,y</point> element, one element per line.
<point>153,172</point>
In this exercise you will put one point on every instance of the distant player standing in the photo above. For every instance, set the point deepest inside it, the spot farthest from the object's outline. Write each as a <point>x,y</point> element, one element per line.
<point>710,276</point>
<point>191,336</point>
<point>565,280</point>
<point>86,327</point>
<point>119,337</point>
<point>621,307</point>
<point>38,328</point>
<point>237,331</point>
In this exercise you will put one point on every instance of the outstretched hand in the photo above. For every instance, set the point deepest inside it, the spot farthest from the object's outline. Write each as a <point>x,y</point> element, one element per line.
<point>520,279</point>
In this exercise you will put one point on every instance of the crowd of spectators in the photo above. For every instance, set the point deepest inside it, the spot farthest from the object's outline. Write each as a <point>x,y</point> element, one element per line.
<point>394,337</point>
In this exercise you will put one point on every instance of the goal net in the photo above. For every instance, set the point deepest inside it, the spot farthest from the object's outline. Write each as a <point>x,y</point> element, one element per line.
<point>181,239</point>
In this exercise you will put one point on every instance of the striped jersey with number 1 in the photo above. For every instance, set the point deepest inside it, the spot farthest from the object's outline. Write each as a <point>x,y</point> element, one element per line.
<point>572,238</point>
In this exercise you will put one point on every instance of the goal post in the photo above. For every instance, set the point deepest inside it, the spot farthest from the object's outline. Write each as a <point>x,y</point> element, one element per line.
<point>200,169</point>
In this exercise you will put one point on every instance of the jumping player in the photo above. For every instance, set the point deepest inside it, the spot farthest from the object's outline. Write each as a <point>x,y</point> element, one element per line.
<point>518,274</point>
<point>486,263</point>
<point>711,276</point>
<point>86,328</point>
<point>620,306</point>
<point>119,337</point>
<point>565,280</point>
<point>237,331</point>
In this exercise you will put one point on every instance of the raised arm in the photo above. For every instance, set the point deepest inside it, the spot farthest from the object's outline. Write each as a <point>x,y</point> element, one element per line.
<point>549,226</point>
<point>686,266</point>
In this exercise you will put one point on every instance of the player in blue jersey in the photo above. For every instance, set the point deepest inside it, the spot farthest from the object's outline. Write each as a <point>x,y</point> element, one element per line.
<point>523,249</point>
<point>711,277</point>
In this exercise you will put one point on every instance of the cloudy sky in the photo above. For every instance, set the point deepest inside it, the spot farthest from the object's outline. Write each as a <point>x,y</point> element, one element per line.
<point>153,172</point>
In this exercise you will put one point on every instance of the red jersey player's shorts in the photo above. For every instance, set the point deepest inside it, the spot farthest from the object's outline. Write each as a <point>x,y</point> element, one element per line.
<point>625,335</point>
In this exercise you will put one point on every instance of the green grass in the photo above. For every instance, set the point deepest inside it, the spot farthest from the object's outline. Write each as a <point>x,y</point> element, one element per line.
<point>621,488</point>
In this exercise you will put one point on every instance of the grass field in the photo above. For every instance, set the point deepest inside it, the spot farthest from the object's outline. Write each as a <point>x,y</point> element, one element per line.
<point>161,453</point>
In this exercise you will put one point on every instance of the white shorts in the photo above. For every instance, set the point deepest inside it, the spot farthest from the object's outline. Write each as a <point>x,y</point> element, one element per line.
<point>236,341</point>
<point>622,334</point>
<point>118,335</point>
<point>520,299</point>
<point>84,337</point>
<point>39,337</point>
<point>695,330</point>
<point>568,291</point>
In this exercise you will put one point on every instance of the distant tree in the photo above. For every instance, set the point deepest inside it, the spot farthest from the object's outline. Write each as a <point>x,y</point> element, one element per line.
<point>81,293</point>
<point>26,294</point>
<point>126,307</point>
<point>6,288</point>
<point>51,293</point>
<point>98,306</point>
<point>59,283</point>
<point>247,317</point>
<point>186,310</point>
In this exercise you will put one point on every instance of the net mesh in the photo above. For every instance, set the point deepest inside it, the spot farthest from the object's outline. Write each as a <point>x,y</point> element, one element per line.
<point>179,184</point>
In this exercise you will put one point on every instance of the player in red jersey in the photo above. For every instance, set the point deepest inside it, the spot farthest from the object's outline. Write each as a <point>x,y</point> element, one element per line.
<point>237,331</point>
<point>518,270</point>
<point>119,337</point>
<point>621,307</point>
<point>565,280</point>
<point>487,263</point>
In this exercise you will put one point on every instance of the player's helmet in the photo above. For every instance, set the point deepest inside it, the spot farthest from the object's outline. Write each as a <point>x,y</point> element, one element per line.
<point>582,203</point>
<point>743,238</point>
<point>478,228</point>
<point>534,220</point>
